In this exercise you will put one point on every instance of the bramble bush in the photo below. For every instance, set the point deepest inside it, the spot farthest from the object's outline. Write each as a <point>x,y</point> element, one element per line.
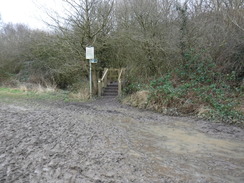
<point>198,84</point>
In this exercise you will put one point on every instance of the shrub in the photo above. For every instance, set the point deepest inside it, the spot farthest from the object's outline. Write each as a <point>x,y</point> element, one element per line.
<point>194,85</point>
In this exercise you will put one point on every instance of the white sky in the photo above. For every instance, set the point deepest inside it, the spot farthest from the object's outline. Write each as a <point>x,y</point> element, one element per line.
<point>28,12</point>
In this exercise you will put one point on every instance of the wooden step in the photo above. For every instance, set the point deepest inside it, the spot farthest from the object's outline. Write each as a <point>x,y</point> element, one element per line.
<point>111,90</point>
<point>113,93</point>
<point>110,94</point>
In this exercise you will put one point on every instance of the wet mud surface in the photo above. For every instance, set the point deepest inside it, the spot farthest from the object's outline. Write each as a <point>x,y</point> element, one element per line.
<point>106,142</point>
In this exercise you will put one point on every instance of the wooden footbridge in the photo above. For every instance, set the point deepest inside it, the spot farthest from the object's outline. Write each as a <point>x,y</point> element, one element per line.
<point>111,82</point>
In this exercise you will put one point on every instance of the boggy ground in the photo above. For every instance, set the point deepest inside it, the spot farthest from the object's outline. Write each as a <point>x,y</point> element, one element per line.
<point>104,141</point>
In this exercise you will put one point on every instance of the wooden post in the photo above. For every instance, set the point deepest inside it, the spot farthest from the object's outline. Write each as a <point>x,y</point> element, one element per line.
<point>99,88</point>
<point>106,80</point>
<point>94,80</point>
<point>90,78</point>
<point>119,88</point>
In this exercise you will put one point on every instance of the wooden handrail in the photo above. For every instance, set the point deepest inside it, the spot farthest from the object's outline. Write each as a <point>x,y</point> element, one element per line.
<point>105,74</point>
<point>102,83</point>
<point>119,82</point>
<point>109,77</point>
<point>121,71</point>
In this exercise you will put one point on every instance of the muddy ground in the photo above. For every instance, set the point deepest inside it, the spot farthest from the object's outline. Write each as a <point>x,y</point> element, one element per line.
<point>104,141</point>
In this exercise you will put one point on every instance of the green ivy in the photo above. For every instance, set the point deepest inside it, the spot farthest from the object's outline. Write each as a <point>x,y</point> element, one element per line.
<point>198,82</point>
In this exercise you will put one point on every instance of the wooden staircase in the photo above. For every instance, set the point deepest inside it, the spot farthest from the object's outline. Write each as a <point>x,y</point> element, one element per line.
<point>110,85</point>
<point>111,90</point>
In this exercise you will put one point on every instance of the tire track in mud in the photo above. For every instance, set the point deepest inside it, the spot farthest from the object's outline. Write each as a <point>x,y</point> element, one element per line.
<point>104,141</point>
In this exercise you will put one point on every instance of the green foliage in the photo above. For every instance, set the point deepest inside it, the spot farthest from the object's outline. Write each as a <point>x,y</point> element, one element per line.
<point>7,94</point>
<point>3,75</point>
<point>133,87</point>
<point>197,84</point>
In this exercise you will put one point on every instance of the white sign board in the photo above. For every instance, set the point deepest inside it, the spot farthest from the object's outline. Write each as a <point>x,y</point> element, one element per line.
<point>89,52</point>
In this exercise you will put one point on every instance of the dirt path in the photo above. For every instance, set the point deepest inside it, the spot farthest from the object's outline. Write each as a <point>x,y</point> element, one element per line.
<point>104,141</point>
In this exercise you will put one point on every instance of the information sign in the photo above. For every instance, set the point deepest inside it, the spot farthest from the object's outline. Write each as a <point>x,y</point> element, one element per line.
<point>89,52</point>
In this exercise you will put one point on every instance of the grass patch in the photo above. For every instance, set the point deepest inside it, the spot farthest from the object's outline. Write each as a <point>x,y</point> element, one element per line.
<point>7,94</point>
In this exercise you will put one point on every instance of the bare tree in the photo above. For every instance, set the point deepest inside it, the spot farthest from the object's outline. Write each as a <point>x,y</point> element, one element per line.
<point>86,19</point>
<point>85,23</point>
<point>145,34</point>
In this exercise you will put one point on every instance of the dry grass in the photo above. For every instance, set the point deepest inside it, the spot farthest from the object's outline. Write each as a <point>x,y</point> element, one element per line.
<point>38,88</point>
<point>138,99</point>
<point>22,88</point>
<point>47,91</point>
<point>25,87</point>
<point>43,93</point>
<point>202,111</point>
<point>48,88</point>
<point>82,94</point>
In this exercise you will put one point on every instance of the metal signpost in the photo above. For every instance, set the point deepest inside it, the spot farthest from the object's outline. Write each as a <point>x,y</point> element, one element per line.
<point>94,61</point>
<point>90,57</point>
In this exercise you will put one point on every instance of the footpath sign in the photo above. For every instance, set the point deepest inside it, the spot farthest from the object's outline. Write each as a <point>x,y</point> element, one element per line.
<point>93,61</point>
<point>90,57</point>
<point>89,53</point>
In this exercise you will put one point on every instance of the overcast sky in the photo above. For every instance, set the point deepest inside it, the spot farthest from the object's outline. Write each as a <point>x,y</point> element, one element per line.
<point>29,12</point>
